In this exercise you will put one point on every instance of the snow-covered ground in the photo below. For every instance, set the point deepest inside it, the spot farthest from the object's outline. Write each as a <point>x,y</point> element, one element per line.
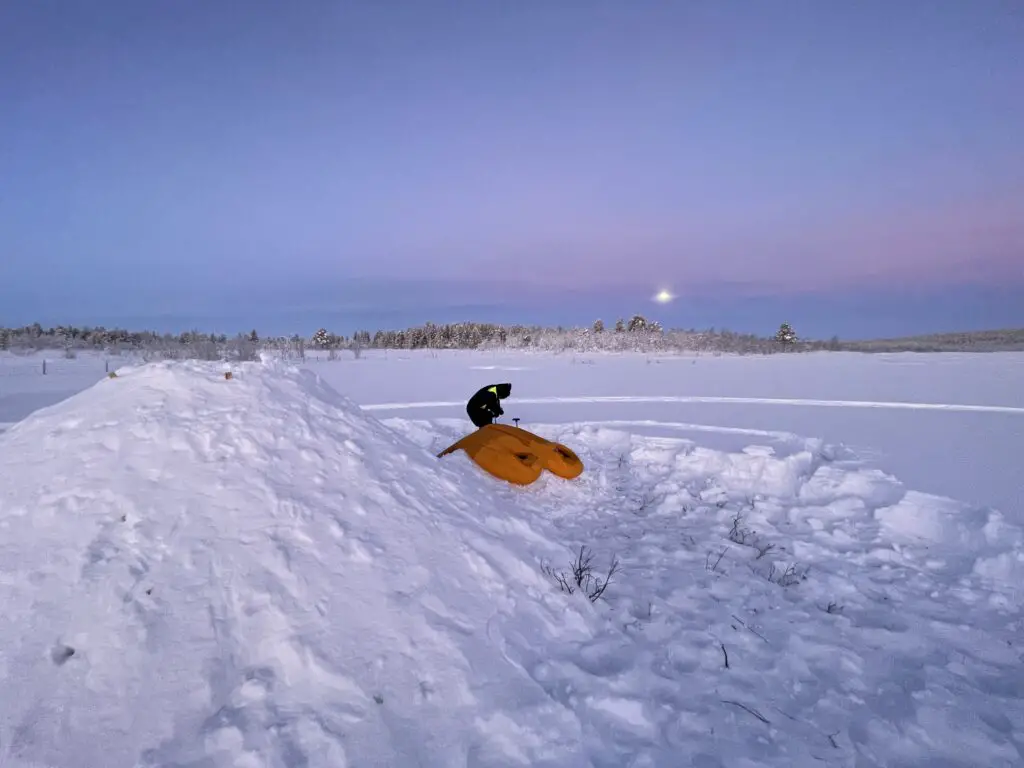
<point>256,572</point>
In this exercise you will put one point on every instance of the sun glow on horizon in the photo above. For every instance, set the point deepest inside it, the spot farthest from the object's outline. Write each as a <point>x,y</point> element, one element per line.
<point>663,296</point>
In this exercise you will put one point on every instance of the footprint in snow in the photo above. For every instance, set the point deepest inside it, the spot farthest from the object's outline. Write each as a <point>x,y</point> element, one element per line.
<point>61,653</point>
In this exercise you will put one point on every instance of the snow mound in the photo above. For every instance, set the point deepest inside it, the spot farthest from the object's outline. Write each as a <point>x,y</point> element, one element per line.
<point>201,571</point>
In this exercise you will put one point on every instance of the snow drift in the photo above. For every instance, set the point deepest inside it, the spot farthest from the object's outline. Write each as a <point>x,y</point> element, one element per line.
<point>195,571</point>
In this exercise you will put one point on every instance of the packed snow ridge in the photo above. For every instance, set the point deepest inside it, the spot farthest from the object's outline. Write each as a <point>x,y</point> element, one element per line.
<point>201,571</point>
<point>252,572</point>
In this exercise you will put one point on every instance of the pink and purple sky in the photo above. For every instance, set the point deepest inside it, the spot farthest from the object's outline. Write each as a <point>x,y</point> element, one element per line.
<point>853,168</point>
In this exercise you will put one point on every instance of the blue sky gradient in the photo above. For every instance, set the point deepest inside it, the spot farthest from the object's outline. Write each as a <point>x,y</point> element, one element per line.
<point>855,168</point>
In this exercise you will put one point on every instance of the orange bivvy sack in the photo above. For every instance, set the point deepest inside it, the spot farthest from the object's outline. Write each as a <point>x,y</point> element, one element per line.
<point>515,455</point>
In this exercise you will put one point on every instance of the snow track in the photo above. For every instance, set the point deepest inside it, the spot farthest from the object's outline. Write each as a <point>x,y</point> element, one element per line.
<point>1004,409</point>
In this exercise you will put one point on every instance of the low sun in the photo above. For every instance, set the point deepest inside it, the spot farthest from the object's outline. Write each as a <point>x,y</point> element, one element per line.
<point>663,297</point>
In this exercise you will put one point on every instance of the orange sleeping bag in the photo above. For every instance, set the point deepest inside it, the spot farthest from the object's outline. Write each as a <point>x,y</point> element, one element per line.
<point>515,455</point>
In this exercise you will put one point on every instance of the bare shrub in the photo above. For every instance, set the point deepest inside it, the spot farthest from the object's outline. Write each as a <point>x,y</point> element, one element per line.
<point>582,576</point>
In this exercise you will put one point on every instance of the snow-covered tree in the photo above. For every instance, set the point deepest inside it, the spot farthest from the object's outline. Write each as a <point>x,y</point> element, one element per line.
<point>245,348</point>
<point>637,323</point>
<point>66,337</point>
<point>620,325</point>
<point>786,334</point>
<point>254,337</point>
<point>321,339</point>
<point>599,326</point>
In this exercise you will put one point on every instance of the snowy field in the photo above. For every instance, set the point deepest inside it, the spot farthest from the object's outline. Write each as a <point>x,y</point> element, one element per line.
<point>819,564</point>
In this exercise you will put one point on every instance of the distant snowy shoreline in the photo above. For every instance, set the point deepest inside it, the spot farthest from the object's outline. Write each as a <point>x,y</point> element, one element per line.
<point>638,335</point>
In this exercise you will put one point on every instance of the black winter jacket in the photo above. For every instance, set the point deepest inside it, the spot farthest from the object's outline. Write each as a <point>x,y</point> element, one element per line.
<point>485,406</point>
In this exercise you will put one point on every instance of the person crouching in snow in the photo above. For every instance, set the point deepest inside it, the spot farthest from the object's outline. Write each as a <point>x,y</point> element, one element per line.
<point>485,406</point>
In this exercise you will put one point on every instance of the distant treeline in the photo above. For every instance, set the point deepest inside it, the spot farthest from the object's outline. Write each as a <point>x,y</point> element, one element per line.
<point>1006,340</point>
<point>638,334</point>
